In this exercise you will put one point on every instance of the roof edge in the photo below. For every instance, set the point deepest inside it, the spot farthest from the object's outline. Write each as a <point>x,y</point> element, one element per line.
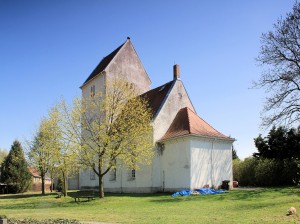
<point>227,139</point>
<point>165,99</point>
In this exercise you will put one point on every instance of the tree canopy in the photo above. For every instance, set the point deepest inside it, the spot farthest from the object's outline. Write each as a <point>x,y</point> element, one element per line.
<point>281,143</point>
<point>45,148</point>
<point>14,170</point>
<point>109,128</point>
<point>280,55</point>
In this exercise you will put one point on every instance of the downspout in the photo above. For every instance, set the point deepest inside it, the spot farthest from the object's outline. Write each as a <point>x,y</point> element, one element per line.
<point>121,177</point>
<point>211,162</point>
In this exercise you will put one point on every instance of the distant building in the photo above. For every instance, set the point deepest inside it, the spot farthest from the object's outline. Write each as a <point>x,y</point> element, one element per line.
<point>37,180</point>
<point>190,152</point>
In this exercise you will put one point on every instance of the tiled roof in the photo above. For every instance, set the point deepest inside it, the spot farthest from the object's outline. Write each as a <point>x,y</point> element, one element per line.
<point>34,172</point>
<point>187,122</point>
<point>103,64</point>
<point>156,97</point>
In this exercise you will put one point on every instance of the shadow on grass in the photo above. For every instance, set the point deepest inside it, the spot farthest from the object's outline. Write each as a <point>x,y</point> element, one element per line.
<point>20,196</point>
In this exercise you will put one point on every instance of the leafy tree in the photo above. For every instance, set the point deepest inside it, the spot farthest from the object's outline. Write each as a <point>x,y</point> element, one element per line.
<point>111,127</point>
<point>280,54</point>
<point>44,149</point>
<point>53,152</point>
<point>234,154</point>
<point>15,169</point>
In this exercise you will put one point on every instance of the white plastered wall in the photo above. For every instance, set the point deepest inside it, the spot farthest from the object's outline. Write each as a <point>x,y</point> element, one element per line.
<point>177,99</point>
<point>176,165</point>
<point>211,162</point>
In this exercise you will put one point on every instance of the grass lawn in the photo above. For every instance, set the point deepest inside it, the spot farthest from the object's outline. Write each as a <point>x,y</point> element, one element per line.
<point>267,205</point>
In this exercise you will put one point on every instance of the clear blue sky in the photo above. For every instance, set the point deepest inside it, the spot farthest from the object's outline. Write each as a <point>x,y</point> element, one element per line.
<point>48,49</point>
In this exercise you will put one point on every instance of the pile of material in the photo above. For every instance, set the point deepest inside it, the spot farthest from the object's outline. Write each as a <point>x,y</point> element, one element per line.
<point>197,191</point>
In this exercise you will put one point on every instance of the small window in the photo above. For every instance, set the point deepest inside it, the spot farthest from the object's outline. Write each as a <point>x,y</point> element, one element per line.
<point>113,174</point>
<point>92,91</point>
<point>131,174</point>
<point>92,175</point>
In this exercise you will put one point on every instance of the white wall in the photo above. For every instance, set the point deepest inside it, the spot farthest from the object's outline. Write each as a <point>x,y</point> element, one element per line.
<point>201,164</point>
<point>176,166</point>
<point>127,64</point>
<point>177,99</point>
<point>211,161</point>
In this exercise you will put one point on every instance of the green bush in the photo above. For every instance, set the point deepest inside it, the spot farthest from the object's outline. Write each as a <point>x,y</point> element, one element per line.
<point>246,173</point>
<point>266,172</point>
<point>236,163</point>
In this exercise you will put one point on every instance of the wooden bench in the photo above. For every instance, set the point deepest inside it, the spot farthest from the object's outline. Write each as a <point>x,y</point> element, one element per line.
<point>84,194</point>
<point>59,194</point>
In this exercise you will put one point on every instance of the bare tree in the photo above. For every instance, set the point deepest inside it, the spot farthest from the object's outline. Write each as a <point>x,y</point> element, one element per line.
<point>280,55</point>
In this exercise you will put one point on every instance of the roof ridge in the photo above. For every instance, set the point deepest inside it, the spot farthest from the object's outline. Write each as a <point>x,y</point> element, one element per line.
<point>188,117</point>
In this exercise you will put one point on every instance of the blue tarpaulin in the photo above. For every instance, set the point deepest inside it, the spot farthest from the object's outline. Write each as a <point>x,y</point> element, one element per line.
<point>199,190</point>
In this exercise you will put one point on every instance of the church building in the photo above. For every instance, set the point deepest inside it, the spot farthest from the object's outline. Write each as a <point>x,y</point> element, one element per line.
<point>190,153</point>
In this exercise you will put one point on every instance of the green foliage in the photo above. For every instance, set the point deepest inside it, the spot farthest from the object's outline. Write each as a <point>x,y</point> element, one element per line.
<point>59,185</point>
<point>266,172</point>
<point>236,169</point>
<point>234,153</point>
<point>279,144</point>
<point>14,170</point>
<point>110,128</point>
<point>246,172</point>
<point>3,154</point>
<point>277,157</point>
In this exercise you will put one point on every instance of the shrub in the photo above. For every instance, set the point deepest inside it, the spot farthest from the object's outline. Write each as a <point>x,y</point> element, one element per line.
<point>246,173</point>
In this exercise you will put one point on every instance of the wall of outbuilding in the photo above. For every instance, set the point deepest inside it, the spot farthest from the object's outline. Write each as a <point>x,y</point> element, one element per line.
<point>176,165</point>
<point>211,162</point>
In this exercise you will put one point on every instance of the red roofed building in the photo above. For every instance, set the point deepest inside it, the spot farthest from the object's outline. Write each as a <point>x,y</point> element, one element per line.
<point>190,153</point>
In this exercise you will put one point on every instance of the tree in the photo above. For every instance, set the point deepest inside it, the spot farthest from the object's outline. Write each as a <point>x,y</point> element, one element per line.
<point>111,127</point>
<point>280,144</point>
<point>280,53</point>
<point>44,149</point>
<point>234,154</point>
<point>3,154</point>
<point>15,169</point>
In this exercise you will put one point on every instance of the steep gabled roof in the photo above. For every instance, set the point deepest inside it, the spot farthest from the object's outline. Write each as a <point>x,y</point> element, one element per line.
<point>156,97</point>
<point>187,122</point>
<point>103,64</point>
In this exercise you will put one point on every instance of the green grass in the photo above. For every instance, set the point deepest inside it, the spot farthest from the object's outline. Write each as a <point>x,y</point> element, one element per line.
<point>238,206</point>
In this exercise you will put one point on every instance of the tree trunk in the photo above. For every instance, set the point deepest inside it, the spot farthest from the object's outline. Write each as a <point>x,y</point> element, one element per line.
<point>101,188</point>
<point>43,182</point>
<point>65,184</point>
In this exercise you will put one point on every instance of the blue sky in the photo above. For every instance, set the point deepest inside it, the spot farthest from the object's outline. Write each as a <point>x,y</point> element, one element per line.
<point>48,49</point>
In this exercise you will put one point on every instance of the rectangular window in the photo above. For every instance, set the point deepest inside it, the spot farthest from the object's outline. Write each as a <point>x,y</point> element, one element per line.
<point>92,91</point>
<point>131,174</point>
<point>92,175</point>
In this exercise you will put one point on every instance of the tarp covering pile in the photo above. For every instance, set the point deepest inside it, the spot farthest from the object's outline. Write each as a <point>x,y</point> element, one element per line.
<point>198,191</point>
